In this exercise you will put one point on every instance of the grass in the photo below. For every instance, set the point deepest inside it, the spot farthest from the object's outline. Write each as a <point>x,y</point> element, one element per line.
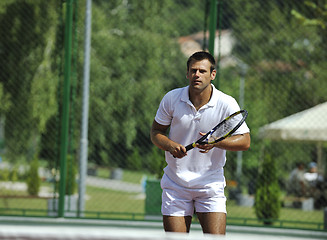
<point>28,203</point>
<point>286,214</point>
<point>289,217</point>
<point>105,203</point>
<point>100,199</point>
<point>128,175</point>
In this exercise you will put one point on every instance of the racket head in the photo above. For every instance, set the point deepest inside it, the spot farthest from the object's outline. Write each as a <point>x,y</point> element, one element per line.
<point>226,127</point>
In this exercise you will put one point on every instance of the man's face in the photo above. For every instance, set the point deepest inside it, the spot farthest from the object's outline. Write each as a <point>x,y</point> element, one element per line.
<point>199,74</point>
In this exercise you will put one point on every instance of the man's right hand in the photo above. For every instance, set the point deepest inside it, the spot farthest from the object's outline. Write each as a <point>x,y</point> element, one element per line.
<point>177,150</point>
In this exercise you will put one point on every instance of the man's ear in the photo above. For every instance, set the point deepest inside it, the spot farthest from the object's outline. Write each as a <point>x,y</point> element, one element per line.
<point>213,74</point>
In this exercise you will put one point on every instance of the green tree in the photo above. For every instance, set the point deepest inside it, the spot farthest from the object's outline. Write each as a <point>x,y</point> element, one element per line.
<point>155,162</point>
<point>313,16</point>
<point>4,99</point>
<point>71,184</point>
<point>284,62</point>
<point>134,161</point>
<point>137,64</point>
<point>267,197</point>
<point>27,74</point>
<point>135,60</point>
<point>33,179</point>
<point>318,16</point>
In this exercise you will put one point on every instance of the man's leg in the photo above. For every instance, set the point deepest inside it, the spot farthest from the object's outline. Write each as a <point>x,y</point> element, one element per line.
<point>177,224</point>
<point>213,222</point>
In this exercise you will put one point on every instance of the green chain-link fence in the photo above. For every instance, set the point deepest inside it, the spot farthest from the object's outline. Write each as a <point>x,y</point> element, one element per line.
<point>272,59</point>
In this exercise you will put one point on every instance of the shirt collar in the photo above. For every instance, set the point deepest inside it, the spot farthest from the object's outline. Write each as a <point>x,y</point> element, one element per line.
<point>214,97</point>
<point>185,95</point>
<point>212,102</point>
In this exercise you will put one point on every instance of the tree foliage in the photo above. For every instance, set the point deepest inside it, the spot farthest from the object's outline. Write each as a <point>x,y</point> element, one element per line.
<point>136,66</point>
<point>33,178</point>
<point>27,75</point>
<point>283,58</point>
<point>319,18</point>
<point>135,60</point>
<point>267,197</point>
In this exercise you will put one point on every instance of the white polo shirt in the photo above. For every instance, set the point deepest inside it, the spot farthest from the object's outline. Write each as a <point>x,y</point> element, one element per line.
<point>196,170</point>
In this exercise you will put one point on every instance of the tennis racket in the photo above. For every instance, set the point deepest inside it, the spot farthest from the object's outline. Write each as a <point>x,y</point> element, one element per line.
<point>223,130</point>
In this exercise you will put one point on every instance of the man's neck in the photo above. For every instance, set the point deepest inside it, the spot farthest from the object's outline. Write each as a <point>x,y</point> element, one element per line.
<point>200,98</point>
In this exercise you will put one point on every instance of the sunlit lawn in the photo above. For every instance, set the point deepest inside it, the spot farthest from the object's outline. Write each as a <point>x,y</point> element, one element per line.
<point>289,217</point>
<point>106,203</point>
<point>128,175</point>
<point>100,199</point>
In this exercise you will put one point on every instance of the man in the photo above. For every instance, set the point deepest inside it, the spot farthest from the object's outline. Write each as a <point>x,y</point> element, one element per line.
<point>297,184</point>
<point>314,181</point>
<point>194,179</point>
<point>312,175</point>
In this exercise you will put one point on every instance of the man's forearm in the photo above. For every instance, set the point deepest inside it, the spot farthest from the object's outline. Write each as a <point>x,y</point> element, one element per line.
<point>235,143</point>
<point>161,140</point>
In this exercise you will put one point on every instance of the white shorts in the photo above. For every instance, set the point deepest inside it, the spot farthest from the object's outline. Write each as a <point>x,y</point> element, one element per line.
<point>181,201</point>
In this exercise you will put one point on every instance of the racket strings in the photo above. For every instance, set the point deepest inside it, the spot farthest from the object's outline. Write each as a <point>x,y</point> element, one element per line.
<point>226,127</point>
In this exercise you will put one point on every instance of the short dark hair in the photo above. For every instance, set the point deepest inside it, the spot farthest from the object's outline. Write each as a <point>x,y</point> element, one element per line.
<point>202,55</point>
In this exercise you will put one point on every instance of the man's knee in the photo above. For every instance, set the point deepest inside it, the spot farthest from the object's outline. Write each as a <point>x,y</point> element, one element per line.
<point>213,222</point>
<point>177,224</point>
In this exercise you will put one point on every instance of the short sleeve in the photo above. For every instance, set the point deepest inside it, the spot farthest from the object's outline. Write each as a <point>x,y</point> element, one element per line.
<point>164,112</point>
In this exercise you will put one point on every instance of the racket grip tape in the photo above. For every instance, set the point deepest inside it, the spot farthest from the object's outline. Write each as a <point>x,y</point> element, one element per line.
<point>190,146</point>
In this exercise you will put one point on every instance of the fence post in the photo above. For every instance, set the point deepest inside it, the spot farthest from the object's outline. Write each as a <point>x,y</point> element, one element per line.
<point>85,109</point>
<point>325,218</point>
<point>212,26</point>
<point>65,108</point>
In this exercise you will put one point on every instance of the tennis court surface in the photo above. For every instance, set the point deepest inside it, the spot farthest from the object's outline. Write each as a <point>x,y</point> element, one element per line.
<point>19,228</point>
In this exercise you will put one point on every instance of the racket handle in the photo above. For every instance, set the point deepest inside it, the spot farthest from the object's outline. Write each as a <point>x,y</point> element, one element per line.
<point>189,147</point>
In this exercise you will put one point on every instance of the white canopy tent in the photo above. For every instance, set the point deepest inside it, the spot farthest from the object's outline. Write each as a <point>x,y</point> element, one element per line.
<point>309,125</point>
